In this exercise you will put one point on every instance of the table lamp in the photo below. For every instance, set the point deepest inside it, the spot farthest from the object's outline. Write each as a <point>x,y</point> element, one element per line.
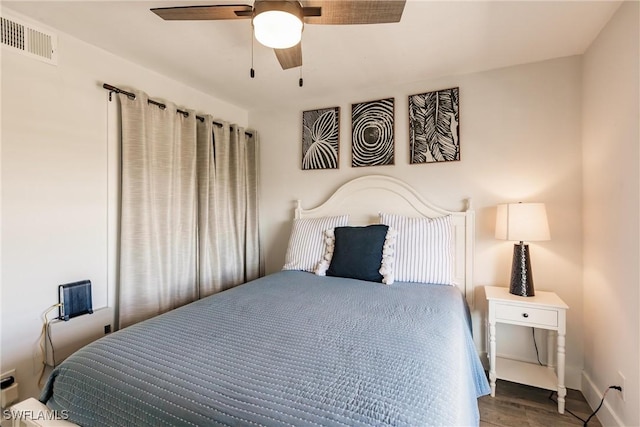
<point>522,222</point>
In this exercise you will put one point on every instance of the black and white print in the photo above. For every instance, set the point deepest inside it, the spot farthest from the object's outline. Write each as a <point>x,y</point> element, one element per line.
<point>320,137</point>
<point>434,134</point>
<point>373,133</point>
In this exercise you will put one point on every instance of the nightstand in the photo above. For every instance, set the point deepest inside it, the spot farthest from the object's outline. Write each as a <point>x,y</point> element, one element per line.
<point>545,310</point>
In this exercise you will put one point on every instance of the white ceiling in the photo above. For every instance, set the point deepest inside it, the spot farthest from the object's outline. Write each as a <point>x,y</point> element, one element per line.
<point>433,39</point>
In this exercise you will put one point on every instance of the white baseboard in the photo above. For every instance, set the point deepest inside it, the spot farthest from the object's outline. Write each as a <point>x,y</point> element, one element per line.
<point>606,414</point>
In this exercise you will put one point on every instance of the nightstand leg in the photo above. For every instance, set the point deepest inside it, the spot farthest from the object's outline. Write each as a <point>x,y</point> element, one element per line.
<point>551,349</point>
<point>492,358</point>
<point>562,391</point>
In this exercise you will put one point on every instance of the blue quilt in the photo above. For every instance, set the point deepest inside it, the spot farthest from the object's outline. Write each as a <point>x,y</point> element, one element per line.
<point>289,349</point>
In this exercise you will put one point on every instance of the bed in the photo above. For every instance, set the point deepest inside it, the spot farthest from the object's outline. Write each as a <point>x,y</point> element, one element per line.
<point>296,348</point>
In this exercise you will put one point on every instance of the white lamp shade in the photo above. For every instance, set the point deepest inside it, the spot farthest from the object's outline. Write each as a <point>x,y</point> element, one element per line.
<point>522,222</point>
<point>277,29</point>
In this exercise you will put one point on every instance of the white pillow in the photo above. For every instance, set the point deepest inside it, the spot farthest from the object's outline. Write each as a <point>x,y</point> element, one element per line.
<point>423,248</point>
<point>306,244</point>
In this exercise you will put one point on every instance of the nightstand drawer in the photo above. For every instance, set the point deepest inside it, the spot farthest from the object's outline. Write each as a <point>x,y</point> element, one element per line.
<point>528,315</point>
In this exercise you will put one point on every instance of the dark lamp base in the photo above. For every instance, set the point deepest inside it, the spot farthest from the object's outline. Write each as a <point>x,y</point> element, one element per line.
<point>521,277</point>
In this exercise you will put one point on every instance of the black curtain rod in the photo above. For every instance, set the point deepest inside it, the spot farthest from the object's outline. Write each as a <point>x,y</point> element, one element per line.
<point>159,104</point>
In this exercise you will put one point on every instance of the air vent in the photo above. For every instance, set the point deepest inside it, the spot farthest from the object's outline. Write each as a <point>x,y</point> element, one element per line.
<point>28,40</point>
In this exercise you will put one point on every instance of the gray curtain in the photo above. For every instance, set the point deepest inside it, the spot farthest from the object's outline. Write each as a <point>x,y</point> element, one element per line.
<point>189,219</point>
<point>229,242</point>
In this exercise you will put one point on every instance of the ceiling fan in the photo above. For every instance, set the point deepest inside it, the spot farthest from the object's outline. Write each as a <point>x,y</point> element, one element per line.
<point>278,24</point>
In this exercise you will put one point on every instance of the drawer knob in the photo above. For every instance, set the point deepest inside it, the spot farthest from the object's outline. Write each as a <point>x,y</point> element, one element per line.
<point>525,315</point>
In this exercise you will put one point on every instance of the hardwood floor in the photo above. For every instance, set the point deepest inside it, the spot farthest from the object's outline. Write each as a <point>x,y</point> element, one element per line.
<point>524,406</point>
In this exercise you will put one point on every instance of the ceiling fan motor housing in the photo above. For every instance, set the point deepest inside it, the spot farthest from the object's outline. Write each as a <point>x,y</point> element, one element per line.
<point>292,7</point>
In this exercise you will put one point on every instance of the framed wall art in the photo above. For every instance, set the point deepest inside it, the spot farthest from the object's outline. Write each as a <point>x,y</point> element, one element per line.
<point>434,126</point>
<point>372,141</point>
<point>320,138</point>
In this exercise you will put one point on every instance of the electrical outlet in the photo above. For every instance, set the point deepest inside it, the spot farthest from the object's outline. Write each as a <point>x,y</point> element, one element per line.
<point>9,395</point>
<point>10,373</point>
<point>621,380</point>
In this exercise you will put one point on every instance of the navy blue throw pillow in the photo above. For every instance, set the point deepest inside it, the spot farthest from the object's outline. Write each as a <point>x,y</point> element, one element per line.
<point>358,252</point>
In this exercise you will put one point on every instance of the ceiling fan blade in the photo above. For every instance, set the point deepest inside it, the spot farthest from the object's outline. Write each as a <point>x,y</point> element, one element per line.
<point>291,57</point>
<point>216,12</point>
<point>341,12</point>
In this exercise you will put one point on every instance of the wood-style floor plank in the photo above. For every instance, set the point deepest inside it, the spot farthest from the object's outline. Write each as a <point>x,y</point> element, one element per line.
<point>518,405</point>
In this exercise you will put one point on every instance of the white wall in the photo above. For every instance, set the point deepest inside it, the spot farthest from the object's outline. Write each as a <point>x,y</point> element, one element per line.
<point>520,141</point>
<point>611,214</point>
<point>54,182</point>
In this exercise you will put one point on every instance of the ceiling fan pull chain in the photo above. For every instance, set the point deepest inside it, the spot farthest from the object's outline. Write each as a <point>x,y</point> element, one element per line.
<point>253,72</point>
<point>300,82</point>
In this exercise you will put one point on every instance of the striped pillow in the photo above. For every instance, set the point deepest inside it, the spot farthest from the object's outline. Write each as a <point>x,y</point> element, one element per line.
<point>306,244</point>
<point>423,248</point>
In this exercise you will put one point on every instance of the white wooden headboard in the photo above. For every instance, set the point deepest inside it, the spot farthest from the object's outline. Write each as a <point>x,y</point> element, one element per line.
<point>365,197</point>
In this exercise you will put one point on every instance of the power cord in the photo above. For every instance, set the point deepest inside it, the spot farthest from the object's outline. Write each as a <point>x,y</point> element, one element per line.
<point>535,344</point>
<point>45,336</point>
<point>585,422</point>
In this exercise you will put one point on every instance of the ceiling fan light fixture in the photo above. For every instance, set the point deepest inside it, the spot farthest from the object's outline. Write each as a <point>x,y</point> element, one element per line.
<point>278,24</point>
